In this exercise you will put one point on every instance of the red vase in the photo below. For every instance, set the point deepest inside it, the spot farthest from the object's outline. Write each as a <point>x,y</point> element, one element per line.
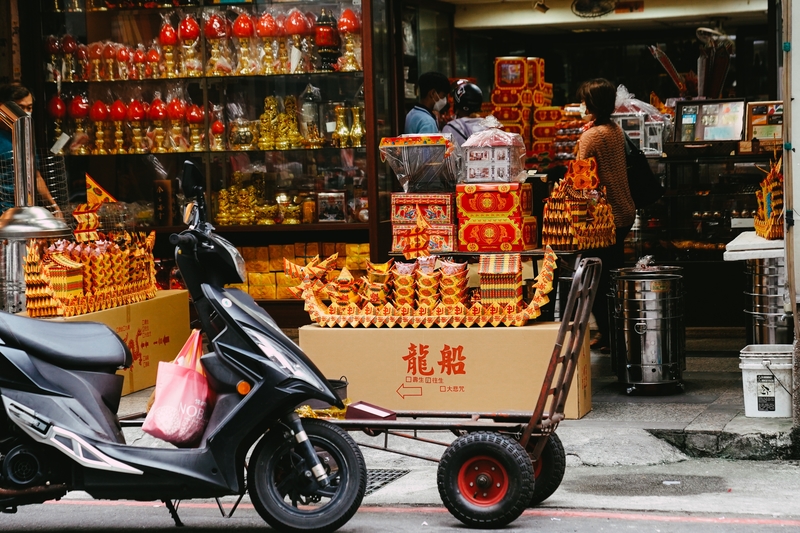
<point>176,109</point>
<point>99,111</point>
<point>215,27</point>
<point>136,111</point>
<point>118,111</point>
<point>243,26</point>
<point>79,107</point>
<point>168,36</point>
<point>349,22</point>
<point>188,29</point>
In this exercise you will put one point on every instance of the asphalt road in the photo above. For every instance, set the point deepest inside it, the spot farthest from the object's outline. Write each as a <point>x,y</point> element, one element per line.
<point>76,516</point>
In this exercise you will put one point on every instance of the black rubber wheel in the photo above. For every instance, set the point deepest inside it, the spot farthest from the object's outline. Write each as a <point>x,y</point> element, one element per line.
<point>287,500</point>
<point>549,470</point>
<point>485,479</point>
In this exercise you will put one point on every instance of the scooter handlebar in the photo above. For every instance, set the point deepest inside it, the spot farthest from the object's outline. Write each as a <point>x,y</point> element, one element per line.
<point>182,240</point>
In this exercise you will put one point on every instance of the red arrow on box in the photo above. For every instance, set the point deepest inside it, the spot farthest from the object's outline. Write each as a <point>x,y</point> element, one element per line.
<point>404,391</point>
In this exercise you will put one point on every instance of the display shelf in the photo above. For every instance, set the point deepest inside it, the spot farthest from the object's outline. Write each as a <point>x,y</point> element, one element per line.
<point>323,226</point>
<point>323,150</point>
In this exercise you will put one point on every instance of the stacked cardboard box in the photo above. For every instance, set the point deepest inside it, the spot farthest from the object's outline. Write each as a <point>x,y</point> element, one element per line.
<point>266,279</point>
<point>495,217</point>
<point>437,210</point>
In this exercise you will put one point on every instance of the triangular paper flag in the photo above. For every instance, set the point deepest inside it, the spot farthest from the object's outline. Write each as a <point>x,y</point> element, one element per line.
<point>95,194</point>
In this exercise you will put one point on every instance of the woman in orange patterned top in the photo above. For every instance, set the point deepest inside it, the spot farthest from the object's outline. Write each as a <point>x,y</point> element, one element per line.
<point>605,141</point>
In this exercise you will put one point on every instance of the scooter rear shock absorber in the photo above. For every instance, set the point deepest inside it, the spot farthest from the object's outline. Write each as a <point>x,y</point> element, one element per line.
<point>307,449</point>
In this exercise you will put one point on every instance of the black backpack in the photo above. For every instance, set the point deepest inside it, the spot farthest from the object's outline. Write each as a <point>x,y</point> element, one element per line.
<point>645,187</point>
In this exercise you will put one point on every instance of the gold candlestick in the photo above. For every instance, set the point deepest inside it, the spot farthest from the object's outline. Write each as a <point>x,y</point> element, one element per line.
<point>190,66</point>
<point>266,139</point>
<point>57,133</point>
<point>158,137</point>
<point>301,65</point>
<point>80,131</point>
<point>350,60</point>
<point>341,135</point>
<point>284,64</point>
<point>269,58</point>
<point>357,131</point>
<point>99,139</point>
<point>293,132</point>
<point>245,67</point>
<point>218,142</point>
<point>195,138</point>
<point>213,61</point>
<point>176,133</point>
<point>110,69</point>
<point>169,62</point>
<point>137,145</point>
<point>96,70</point>
<point>119,139</point>
<point>69,72</point>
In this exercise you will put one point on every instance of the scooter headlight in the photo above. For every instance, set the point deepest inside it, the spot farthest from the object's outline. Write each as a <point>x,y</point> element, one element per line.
<point>283,358</point>
<point>237,258</point>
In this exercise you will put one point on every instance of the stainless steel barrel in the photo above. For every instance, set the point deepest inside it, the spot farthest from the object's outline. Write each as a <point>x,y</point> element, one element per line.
<point>648,339</point>
<point>12,283</point>
<point>765,295</point>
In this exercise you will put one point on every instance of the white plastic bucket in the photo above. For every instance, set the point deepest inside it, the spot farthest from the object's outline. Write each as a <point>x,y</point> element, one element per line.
<point>767,380</point>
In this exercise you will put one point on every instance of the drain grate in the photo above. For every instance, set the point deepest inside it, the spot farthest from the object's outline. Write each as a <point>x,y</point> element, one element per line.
<point>377,479</point>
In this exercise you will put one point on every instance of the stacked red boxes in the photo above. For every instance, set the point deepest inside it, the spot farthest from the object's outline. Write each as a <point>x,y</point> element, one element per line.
<point>438,211</point>
<point>495,217</point>
<point>568,130</point>
<point>511,99</point>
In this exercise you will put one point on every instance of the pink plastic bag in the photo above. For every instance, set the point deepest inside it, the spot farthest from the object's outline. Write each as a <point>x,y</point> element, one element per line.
<point>181,409</point>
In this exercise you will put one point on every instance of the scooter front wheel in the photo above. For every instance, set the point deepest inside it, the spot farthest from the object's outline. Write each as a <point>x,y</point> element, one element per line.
<point>288,499</point>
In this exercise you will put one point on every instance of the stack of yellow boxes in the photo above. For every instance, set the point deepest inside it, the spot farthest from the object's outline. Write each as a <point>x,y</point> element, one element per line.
<point>266,279</point>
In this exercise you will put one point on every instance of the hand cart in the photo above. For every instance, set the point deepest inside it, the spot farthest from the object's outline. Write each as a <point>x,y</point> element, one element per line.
<point>502,463</point>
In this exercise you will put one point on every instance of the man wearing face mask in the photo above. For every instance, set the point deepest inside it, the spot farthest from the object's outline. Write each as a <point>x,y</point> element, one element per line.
<point>433,90</point>
<point>14,92</point>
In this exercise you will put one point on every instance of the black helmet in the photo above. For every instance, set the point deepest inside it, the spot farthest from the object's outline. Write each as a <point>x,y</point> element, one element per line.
<point>467,97</point>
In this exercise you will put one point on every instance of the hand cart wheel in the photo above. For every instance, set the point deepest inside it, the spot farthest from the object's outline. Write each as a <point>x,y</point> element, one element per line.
<point>485,479</point>
<point>549,470</point>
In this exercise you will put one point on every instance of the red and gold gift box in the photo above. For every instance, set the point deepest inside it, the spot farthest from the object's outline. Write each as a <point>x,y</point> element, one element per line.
<point>508,114</point>
<point>542,146</point>
<point>540,99</point>
<point>547,114</point>
<point>544,131</point>
<point>497,235</point>
<point>493,200</point>
<point>436,208</point>
<point>535,72</point>
<point>547,89</point>
<point>510,72</point>
<point>506,97</point>
<point>441,238</point>
<point>515,127</point>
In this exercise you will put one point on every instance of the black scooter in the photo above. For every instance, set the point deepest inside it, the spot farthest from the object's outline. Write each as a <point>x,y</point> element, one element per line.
<point>60,431</point>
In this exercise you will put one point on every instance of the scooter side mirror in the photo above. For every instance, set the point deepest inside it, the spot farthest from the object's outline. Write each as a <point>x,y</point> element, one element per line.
<point>192,180</point>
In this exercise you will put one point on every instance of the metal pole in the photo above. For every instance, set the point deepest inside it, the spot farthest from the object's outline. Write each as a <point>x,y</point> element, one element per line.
<point>787,85</point>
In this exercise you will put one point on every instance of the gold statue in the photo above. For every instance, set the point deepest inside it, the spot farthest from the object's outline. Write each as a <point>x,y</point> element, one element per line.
<point>266,139</point>
<point>290,109</point>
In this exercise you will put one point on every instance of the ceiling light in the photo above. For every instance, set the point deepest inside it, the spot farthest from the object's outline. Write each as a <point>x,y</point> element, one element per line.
<point>540,6</point>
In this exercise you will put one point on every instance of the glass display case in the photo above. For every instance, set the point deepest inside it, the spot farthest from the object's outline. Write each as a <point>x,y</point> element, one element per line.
<point>709,200</point>
<point>283,104</point>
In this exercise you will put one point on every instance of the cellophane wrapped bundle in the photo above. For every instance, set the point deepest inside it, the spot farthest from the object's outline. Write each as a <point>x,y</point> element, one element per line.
<point>494,155</point>
<point>422,163</point>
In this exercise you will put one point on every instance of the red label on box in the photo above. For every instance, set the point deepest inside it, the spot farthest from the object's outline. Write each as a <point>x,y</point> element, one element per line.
<point>507,114</point>
<point>496,200</point>
<point>441,238</point>
<point>547,114</point>
<point>544,130</point>
<point>436,208</point>
<point>535,71</point>
<point>497,235</point>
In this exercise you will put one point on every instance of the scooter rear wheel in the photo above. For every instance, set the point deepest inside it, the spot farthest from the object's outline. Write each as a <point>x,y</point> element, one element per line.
<point>287,500</point>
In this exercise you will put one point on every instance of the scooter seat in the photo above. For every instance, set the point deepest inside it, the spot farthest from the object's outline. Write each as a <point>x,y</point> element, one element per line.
<point>70,345</point>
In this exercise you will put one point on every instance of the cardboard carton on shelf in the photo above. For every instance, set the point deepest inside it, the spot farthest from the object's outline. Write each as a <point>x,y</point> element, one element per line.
<point>154,330</point>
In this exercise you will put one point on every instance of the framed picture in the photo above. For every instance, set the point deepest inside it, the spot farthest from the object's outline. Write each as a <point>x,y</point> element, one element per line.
<point>765,121</point>
<point>709,120</point>
<point>332,206</point>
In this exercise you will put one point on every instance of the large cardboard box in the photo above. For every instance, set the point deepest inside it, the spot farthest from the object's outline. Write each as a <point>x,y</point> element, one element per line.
<point>437,208</point>
<point>460,369</point>
<point>154,330</point>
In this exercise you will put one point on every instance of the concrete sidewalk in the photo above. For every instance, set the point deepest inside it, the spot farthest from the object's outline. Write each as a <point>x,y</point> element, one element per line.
<point>667,452</point>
